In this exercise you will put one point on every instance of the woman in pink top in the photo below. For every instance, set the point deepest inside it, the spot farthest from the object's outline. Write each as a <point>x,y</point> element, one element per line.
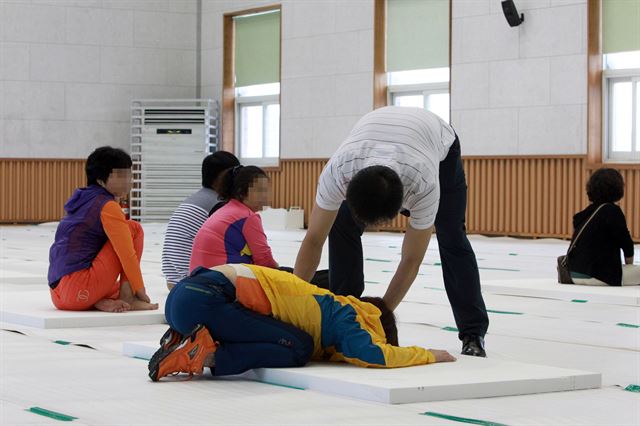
<point>234,233</point>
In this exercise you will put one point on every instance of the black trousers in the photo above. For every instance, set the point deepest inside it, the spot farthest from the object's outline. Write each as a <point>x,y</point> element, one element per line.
<point>459,267</point>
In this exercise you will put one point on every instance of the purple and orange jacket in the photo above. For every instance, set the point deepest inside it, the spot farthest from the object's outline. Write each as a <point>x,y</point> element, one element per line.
<point>92,217</point>
<point>233,234</point>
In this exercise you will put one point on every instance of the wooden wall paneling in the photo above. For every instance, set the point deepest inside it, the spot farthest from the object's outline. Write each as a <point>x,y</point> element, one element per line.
<point>530,196</point>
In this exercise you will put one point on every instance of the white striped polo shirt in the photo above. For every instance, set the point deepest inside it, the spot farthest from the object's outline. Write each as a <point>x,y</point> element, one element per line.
<point>411,141</point>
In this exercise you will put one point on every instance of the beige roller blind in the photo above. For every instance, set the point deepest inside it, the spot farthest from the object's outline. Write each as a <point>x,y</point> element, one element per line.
<point>620,25</point>
<point>257,49</point>
<point>417,34</point>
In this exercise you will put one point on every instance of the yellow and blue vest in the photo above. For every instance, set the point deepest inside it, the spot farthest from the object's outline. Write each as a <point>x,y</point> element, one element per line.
<point>343,327</point>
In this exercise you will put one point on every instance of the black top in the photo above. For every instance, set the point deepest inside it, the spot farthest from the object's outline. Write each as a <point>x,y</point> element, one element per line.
<point>597,253</point>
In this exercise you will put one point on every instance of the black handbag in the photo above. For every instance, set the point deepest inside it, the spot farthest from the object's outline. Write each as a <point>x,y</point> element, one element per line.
<point>564,276</point>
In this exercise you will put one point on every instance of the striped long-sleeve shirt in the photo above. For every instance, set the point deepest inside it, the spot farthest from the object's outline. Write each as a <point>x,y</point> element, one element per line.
<point>183,226</point>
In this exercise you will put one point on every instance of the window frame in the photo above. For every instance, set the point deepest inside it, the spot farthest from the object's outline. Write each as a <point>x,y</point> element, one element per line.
<point>424,89</point>
<point>380,75</point>
<point>263,101</point>
<point>609,77</point>
<point>597,90</point>
<point>229,119</point>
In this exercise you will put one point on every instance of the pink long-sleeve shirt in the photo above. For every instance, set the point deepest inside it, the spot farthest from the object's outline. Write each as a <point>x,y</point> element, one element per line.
<point>233,234</point>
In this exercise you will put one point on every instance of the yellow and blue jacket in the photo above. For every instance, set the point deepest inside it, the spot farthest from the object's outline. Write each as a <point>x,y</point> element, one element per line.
<point>343,328</point>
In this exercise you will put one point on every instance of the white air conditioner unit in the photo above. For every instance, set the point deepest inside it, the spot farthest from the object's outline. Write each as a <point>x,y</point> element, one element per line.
<point>169,139</point>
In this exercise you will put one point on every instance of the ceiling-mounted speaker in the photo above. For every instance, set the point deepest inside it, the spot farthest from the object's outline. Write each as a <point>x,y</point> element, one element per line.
<point>511,13</point>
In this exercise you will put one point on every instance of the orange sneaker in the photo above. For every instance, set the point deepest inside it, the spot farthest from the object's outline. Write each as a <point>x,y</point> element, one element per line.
<point>170,339</point>
<point>186,357</point>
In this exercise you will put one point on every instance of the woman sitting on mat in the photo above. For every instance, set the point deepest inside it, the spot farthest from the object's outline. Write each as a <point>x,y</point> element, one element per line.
<point>95,244</point>
<point>233,318</point>
<point>234,233</point>
<point>600,232</point>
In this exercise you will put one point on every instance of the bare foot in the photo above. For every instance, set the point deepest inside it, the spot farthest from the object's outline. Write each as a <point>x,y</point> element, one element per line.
<point>126,293</point>
<point>140,305</point>
<point>112,305</point>
<point>136,304</point>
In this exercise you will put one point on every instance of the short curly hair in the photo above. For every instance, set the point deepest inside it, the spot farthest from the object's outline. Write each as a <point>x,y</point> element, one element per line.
<point>102,161</point>
<point>605,186</point>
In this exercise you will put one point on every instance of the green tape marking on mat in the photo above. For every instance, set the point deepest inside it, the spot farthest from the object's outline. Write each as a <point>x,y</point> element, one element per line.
<point>461,419</point>
<point>623,324</point>
<point>579,301</point>
<point>141,357</point>
<point>504,312</point>
<point>51,414</point>
<point>377,260</point>
<point>61,342</point>
<point>387,270</point>
<point>437,264</point>
<point>632,388</point>
<point>435,288</point>
<point>282,386</point>
<point>450,329</point>
<point>513,254</point>
<point>371,282</point>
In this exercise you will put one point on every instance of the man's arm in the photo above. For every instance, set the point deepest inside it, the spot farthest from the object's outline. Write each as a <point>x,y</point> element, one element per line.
<point>320,224</point>
<point>414,246</point>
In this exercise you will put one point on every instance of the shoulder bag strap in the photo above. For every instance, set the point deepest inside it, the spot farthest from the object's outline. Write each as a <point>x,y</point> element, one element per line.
<point>583,227</point>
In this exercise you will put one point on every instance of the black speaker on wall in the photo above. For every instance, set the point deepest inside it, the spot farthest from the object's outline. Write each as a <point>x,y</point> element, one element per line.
<point>511,13</point>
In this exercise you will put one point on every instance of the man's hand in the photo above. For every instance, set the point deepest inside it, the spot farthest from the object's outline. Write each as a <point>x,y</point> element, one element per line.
<point>442,356</point>
<point>414,246</point>
<point>320,223</point>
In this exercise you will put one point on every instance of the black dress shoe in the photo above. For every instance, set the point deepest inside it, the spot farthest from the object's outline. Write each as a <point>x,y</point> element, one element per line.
<point>473,346</point>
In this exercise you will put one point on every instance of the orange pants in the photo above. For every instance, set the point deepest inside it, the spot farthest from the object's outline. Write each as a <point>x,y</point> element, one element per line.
<point>80,290</point>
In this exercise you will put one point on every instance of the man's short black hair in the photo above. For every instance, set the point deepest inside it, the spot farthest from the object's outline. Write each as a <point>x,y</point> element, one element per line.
<point>102,161</point>
<point>214,164</point>
<point>605,186</point>
<point>374,195</point>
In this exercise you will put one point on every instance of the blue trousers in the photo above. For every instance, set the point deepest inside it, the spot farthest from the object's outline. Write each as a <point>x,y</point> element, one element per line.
<point>459,267</point>
<point>247,339</point>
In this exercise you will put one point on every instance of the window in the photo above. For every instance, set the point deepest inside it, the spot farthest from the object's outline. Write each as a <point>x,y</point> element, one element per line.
<point>622,116</point>
<point>621,80</point>
<point>252,86</point>
<point>417,54</point>
<point>258,124</point>
<point>428,89</point>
